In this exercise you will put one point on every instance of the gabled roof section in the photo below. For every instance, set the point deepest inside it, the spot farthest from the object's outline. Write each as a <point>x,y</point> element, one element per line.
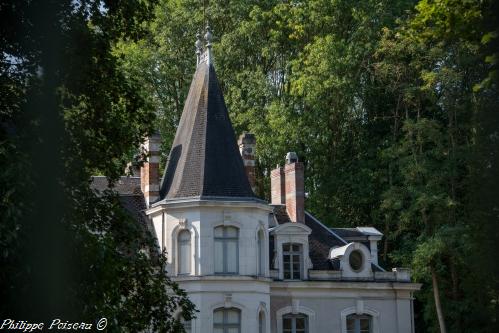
<point>204,160</point>
<point>123,186</point>
<point>320,241</point>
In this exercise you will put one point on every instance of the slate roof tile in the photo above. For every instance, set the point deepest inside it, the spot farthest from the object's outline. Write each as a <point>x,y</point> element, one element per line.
<point>204,160</point>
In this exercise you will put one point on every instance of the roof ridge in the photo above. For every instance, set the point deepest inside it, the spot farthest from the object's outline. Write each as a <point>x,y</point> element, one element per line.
<point>329,230</point>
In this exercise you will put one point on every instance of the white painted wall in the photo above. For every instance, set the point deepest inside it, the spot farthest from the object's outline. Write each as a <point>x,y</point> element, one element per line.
<point>249,295</point>
<point>326,303</point>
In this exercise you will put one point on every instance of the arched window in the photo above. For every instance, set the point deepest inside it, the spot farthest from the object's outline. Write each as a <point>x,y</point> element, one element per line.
<point>261,253</point>
<point>292,261</point>
<point>359,323</point>
<point>184,252</point>
<point>295,323</point>
<point>226,250</point>
<point>227,320</point>
<point>261,322</point>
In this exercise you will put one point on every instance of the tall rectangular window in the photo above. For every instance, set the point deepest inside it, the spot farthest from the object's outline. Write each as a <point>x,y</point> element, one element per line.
<point>226,250</point>
<point>261,253</point>
<point>227,320</point>
<point>184,252</point>
<point>295,323</point>
<point>292,261</point>
<point>261,322</point>
<point>359,324</point>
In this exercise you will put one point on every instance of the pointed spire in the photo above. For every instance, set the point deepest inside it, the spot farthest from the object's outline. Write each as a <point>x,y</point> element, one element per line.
<point>204,160</point>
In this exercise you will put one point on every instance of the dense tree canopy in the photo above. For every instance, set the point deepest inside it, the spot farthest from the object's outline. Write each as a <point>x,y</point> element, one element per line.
<point>391,104</point>
<point>68,112</point>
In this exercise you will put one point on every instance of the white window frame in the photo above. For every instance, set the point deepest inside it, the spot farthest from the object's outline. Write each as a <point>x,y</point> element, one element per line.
<point>262,309</point>
<point>292,255</point>
<point>180,254</point>
<point>296,309</point>
<point>225,325</point>
<point>262,327</point>
<point>225,240</point>
<point>293,318</point>
<point>357,318</point>
<point>360,309</point>
<point>173,248</point>
<point>291,232</point>
<point>261,252</point>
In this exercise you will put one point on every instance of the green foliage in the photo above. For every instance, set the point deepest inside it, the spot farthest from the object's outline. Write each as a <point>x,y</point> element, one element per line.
<point>390,104</point>
<point>430,64</point>
<point>68,112</point>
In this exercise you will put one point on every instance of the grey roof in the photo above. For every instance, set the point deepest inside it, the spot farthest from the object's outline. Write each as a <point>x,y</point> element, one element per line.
<point>135,205</point>
<point>124,186</point>
<point>320,241</point>
<point>204,160</point>
<point>280,214</point>
<point>348,232</point>
<point>130,196</point>
<point>358,234</point>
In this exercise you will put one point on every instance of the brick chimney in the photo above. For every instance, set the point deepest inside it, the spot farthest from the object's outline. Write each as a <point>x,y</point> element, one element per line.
<point>149,173</point>
<point>247,143</point>
<point>288,187</point>
<point>277,190</point>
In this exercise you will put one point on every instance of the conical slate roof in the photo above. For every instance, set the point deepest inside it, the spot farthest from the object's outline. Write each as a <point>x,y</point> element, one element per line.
<point>204,160</point>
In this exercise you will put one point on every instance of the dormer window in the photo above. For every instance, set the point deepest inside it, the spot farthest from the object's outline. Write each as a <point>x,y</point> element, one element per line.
<point>226,250</point>
<point>356,260</point>
<point>292,261</point>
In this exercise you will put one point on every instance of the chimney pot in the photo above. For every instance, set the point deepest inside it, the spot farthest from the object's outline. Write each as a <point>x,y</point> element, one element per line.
<point>291,157</point>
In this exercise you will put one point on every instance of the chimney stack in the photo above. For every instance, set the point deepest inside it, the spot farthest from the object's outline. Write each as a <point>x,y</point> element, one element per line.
<point>247,143</point>
<point>149,173</point>
<point>277,190</point>
<point>288,187</point>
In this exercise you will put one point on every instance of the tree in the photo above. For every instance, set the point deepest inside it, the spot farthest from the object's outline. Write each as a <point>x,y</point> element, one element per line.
<point>68,111</point>
<point>430,65</point>
<point>390,104</point>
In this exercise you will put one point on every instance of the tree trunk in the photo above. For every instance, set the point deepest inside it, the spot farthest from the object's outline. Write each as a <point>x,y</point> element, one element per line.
<point>438,306</point>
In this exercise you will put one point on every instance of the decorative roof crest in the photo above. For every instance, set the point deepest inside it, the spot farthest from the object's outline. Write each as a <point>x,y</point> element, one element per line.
<point>199,47</point>
<point>207,56</point>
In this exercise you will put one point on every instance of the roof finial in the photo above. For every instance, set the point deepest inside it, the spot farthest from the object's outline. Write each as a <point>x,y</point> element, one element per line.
<point>199,47</point>
<point>208,37</point>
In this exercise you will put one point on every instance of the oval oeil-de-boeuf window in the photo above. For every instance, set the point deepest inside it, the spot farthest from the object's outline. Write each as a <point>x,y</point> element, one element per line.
<point>356,260</point>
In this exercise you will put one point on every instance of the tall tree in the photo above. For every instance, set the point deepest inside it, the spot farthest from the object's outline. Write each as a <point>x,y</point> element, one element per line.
<point>68,111</point>
<point>390,106</point>
<point>432,65</point>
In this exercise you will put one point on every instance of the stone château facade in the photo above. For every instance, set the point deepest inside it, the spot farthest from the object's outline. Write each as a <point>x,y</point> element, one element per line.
<point>252,266</point>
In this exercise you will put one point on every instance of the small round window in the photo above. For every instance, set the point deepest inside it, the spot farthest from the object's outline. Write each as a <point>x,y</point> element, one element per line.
<point>356,260</point>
